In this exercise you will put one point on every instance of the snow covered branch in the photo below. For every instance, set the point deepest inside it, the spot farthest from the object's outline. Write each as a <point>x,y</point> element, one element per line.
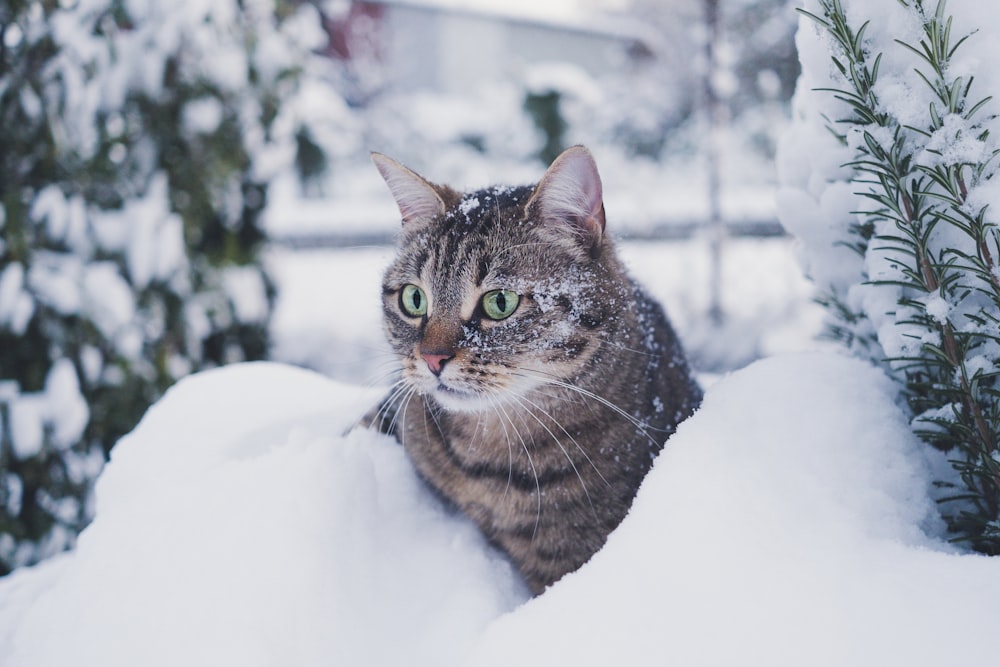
<point>918,153</point>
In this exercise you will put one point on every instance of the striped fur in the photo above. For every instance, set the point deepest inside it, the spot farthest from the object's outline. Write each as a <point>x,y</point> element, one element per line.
<point>541,426</point>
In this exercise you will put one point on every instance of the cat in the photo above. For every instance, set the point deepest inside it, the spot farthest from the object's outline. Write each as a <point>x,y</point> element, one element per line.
<point>538,381</point>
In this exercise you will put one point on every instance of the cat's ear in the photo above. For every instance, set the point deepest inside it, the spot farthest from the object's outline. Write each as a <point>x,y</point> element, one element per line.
<point>569,197</point>
<point>417,198</point>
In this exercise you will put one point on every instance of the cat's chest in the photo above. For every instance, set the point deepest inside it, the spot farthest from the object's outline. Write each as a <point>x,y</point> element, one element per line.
<point>496,467</point>
<point>467,452</point>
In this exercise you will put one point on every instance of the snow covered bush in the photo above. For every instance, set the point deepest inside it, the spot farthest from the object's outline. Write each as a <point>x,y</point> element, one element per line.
<point>139,138</point>
<point>891,185</point>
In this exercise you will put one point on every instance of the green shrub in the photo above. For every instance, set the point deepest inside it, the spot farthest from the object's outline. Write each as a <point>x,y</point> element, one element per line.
<point>931,248</point>
<point>139,139</point>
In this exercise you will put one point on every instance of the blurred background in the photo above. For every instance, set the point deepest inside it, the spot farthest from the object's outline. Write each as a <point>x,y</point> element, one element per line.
<point>185,185</point>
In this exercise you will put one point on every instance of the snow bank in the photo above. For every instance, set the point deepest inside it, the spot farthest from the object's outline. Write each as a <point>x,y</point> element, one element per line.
<point>781,526</point>
<point>236,526</point>
<point>785,524</point>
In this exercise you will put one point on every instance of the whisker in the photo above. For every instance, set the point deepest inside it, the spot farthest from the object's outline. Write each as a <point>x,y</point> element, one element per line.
<point>510,447</point>
<point>555,421</point>
<point>401,415</point>
<point>429,408</point>
<point>400,395</point>
<point>479,424</point>
<point>395,391</point>
<point>559,444</point>
<point>531,464</point>
<point>552,380</point>
<point>380,378</point>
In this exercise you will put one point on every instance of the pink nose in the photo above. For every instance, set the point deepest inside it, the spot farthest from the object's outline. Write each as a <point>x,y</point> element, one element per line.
<point>435,362</point>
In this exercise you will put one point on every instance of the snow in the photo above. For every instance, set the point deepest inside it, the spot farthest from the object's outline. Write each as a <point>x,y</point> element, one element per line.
<point>68,411</point>
<point>817,200</point>
<point>245,288</point>
<point>203,116</point>
<point>16,306</point>
<point>109,301</point>
<point>937,308</point>
<point>237,525</point>
<point>563,10</point>
<point>329,312</point>
<point>57,414</point>
<point>782,525</point>
<point>788,522</point>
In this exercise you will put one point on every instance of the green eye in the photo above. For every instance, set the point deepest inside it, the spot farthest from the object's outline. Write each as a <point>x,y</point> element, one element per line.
<point>412,301</point>
<point>500,304</point>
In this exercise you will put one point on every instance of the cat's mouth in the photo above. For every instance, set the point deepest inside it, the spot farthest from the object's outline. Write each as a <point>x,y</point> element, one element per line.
<point>452,391</point>
<point>460,400</point>
<point>457,399</point>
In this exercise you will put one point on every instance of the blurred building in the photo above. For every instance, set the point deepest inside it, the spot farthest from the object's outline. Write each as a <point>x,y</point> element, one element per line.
<point>450,49</point>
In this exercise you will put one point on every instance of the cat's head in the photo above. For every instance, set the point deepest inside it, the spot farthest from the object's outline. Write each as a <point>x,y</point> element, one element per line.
<point>498,292</point>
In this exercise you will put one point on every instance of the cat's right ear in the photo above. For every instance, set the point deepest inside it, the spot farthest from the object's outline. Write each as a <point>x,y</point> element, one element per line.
<point>569,199</point>
<point>417,198</point>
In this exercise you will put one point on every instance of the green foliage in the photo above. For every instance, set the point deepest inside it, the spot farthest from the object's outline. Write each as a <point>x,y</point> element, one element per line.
<point>543,107</point>
<point>940,253</point>
<point>131,195</point>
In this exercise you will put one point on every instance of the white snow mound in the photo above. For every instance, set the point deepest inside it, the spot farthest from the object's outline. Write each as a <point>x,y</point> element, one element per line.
<point>786,523</point>
<point>782,525</point>
<point>237,526</point>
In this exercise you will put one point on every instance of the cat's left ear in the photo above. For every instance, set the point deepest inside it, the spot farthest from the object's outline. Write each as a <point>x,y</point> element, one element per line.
<point>569,197</point>
<point>417,198</point>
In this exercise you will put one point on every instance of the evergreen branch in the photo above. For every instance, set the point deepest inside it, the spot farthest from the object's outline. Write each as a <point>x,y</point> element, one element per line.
<point>918,199</point>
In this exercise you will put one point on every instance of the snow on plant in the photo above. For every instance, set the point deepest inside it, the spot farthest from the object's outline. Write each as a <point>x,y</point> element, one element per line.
<point>917,154</point>
<point>139,141</point>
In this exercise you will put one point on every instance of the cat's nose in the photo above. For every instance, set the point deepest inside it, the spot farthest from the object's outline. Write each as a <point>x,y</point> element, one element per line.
<point>435,362</point>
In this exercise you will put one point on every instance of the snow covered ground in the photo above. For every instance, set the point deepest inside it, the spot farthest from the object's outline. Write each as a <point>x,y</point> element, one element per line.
<point>786,523</point>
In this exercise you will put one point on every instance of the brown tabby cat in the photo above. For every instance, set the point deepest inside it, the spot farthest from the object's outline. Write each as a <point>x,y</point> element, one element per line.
<point>538,380</point>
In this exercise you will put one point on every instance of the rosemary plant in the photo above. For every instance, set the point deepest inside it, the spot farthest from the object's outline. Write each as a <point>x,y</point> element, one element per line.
<point>934,247</point>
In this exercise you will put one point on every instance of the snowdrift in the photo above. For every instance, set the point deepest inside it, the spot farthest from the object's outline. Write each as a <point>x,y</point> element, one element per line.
<point>786,523</point>
<point>237,526</point>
